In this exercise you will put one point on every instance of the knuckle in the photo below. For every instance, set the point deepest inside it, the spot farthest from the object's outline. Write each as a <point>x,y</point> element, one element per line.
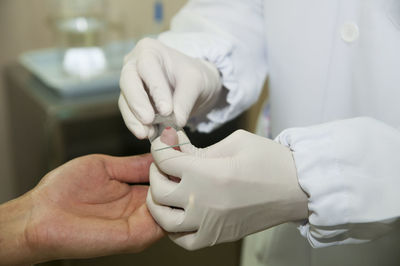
<point>127,58</point>
<point>163,220</point>
<point>190,245</point>
<point>121,103</point>
<point>169,227</point>
<point>121,85</point>
<point>239,133</point>
<point>145,42</point>
<point>141,61</point>
<point>147,60</point>
<point>155,193</point>
<point>128,72</point>
<point>153,171</point>
<point>147,45</point>
<point>149,202</point>
<point>94,157</point>
<point>157,91</point>
<point>141,44</point>
<point>163,166</point>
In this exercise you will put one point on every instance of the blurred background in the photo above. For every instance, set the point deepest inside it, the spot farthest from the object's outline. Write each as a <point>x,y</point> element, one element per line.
<point>27,25</point>
<point>60,62</point>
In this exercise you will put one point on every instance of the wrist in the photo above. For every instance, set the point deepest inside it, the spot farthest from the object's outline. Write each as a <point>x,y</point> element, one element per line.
<point>14,216</point>
<point>288,197</point>
<point>298,198</point>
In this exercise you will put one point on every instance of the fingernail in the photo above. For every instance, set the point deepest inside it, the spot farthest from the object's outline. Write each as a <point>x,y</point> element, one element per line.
<point>168,128</point>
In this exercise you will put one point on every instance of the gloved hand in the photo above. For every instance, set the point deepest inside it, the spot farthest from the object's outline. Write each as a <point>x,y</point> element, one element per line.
<point>241,185</point>
<point>159,79</point>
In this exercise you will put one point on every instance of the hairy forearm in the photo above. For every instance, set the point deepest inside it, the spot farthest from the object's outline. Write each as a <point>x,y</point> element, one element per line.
<point>13,218</point>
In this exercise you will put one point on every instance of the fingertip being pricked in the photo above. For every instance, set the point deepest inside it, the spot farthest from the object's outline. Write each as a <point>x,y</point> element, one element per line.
<point>169,136</point>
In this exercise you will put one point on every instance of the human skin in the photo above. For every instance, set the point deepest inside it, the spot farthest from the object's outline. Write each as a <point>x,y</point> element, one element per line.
<point>170,137</point>
<point>85,208</point>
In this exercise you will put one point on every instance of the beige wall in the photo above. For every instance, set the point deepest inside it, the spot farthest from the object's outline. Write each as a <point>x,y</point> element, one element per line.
<point>23,26</point>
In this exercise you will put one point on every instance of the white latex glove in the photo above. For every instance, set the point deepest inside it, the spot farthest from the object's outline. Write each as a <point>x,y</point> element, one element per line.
<point>159,79</point>
<point>241,185</point>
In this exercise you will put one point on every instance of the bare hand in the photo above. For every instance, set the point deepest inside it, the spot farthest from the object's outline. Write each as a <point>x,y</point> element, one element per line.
<point>86,208</point>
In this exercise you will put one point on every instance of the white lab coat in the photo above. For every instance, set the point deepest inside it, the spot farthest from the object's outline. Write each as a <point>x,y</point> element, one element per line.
<point>334,72</point>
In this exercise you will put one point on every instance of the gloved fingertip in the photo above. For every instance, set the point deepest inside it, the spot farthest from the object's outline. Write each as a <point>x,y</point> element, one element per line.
<point>152,131</point>
<point>140,133</point>
<point>164,108</point>
<point>140,136</point>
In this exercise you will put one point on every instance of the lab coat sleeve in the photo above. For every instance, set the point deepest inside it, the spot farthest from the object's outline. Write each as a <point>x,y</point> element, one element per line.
<point>230,34</point>
<point>351,171</point>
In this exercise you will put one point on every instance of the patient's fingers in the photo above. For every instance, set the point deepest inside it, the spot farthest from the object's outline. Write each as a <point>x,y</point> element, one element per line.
<point>170,137</point>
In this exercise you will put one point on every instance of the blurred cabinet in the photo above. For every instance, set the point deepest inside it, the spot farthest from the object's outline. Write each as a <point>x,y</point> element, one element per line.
<point>48,130</point>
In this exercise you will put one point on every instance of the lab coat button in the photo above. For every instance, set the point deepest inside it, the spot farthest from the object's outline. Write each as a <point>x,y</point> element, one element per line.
<point>349,32</point>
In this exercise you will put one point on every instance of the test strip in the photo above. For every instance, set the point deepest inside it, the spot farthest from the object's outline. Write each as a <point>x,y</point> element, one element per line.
<point>172,146</point>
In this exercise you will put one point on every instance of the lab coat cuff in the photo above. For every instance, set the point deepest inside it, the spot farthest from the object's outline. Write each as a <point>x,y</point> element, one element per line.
<point>340,167</point>
<point>309,147</point>
<point>216,50</point>
<point>319,177</point>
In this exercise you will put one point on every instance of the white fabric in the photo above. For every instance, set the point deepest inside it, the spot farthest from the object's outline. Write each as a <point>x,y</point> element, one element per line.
<point>345,166</point>
<point>315,77</point>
